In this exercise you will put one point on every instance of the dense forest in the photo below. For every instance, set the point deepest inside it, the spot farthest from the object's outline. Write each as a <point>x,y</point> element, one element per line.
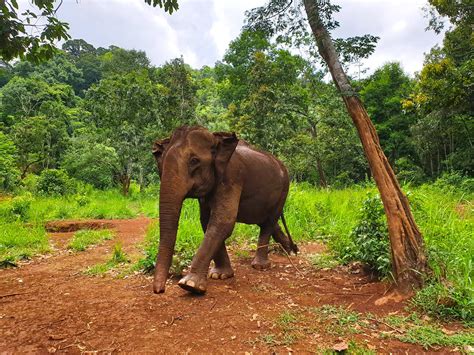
<point>93,113</point>
<point>380,201</point>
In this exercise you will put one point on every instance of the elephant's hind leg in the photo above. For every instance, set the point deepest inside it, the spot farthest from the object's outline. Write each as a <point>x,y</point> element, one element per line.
<point>222,268</point>
<point>283,240</point>
<point>260,261</point>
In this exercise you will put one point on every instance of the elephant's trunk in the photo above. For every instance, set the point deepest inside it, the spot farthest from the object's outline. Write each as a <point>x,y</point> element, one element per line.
<point>172,193</point>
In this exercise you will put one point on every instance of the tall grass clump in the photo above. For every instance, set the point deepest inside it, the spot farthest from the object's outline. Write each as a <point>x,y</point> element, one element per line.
<point>445,216</point>
<point>18,241</point>
<point>330,215</point>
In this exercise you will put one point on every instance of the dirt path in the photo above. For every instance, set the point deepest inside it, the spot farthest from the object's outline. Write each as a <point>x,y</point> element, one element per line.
<point>50,305</point>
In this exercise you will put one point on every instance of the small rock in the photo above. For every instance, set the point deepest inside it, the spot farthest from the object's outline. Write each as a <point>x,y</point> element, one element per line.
<point>469,349</point>
<point>233,337</point>
<point>339,347</point>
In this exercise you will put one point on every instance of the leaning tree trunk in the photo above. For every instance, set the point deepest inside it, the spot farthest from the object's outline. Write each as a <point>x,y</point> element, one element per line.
<point>408,257</point>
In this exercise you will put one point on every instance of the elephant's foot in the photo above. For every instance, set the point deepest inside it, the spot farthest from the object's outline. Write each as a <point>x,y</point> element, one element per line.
<point>221,273</point>
<point>260,263</point>
<point>193,283</point>
<point>159,284</point>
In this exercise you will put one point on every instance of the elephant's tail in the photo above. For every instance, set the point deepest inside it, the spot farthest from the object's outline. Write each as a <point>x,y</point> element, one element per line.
<point>293,246</point>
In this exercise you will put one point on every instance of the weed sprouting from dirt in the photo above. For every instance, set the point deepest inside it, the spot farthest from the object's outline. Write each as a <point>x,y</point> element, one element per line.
<point>118,259</point>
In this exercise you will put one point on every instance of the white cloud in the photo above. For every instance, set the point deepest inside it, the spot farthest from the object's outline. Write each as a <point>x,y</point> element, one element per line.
<point>202,29</point>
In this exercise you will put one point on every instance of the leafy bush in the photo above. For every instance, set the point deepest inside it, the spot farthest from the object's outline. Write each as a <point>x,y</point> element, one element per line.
<point>370,236</point>
<point>55,182</point>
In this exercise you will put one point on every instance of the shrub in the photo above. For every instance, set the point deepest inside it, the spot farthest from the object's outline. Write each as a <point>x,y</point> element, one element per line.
<point>55,182</point>
<point>20,207</point>
<point>370,237</point>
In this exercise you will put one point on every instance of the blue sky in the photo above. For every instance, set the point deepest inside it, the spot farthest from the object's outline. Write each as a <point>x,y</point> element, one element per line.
<point>202,29</point>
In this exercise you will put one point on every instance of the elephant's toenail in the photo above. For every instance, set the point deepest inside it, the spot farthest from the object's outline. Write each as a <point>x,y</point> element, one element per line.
<point>191,283</point>
<point>214,276</point>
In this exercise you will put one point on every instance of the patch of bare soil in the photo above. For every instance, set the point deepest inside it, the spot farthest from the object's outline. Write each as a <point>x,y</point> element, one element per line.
<point>73,226</point>
<point>49,305</point>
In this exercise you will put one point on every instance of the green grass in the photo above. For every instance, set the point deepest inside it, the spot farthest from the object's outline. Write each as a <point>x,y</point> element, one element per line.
<point>18,241</point>
<point>93,204</point>
<point>84,238</point>
<point>444,214</point>
<point>427,333</point>
<point>323,261</point>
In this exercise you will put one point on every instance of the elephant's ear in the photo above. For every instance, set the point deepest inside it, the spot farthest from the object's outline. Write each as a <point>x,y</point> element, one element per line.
<point>226,144</point>
<point>158,148</point>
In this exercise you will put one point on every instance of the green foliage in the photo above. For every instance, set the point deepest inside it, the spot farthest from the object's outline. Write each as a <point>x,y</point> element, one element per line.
<point>9,173</point>
<point>84,238</point>
<point>382,94</point>
<point>455,182</point>
<point>168,5</point>
<point>18,40</point>
<point>370,237</point>
<point>18,241</point>
<point>55,182</point>
<point>90,162</point>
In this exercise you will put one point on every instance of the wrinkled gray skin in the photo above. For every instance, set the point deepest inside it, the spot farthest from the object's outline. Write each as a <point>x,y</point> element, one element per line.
<point>234,183</point>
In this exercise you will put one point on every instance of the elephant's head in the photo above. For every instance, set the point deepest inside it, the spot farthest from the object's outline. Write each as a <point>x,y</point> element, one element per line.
<point>190,164</point>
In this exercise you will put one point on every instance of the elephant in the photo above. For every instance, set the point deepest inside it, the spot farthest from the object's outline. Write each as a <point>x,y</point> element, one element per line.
<point>233,182</point>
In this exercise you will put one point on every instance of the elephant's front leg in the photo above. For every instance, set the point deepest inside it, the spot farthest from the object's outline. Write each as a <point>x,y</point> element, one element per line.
<point>220,226</point>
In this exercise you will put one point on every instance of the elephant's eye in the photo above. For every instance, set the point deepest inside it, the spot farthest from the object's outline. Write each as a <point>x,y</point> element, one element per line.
<point>193,161</point>
<point>193,165</point>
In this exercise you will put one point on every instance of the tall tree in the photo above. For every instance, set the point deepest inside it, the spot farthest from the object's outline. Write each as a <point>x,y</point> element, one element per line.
<point>31,34</point>
<point>383,93</point>
<point>443,97</point>
<point>125,108</point>
<point>408,256</point>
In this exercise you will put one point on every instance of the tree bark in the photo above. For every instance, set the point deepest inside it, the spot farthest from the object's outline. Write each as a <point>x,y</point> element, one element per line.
<point>125,182</point>
<point>407,249</point>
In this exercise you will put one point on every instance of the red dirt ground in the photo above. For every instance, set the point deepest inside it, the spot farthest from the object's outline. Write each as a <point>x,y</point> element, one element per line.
<point>49,305</point>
